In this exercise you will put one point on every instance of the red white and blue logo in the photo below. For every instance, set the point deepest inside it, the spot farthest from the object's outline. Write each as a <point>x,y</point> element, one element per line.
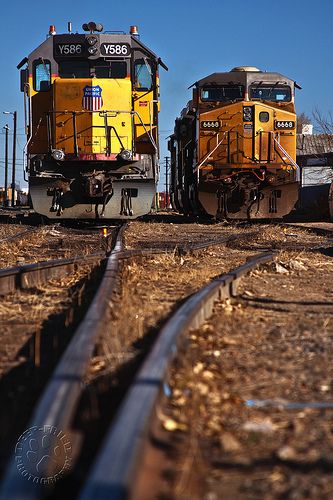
<point>92,98</point>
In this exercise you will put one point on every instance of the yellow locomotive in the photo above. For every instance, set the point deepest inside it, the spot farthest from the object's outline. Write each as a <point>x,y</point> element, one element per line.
<point>92,104</point>
<point>233,150</point>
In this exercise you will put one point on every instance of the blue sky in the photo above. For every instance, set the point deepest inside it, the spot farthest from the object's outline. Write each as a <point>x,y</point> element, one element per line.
<point>193,38</point>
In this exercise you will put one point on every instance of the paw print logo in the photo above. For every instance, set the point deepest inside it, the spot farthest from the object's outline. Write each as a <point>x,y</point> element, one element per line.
<point>43,453</point>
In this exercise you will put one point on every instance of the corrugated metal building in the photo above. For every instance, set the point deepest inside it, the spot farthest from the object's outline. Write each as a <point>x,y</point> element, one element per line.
<point>315,159</point>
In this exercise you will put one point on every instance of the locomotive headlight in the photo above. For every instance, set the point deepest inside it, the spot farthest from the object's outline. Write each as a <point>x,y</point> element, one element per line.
<point>270,179</point>
<point>92,50</point>
<point>58,154</point>
<point>125,154</point>
<point>92,40</point>
<point>247,114</point>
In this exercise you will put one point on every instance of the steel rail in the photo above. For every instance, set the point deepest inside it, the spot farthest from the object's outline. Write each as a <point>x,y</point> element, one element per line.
<point>115,470</point>
<point>29,275</point>
<point>187,248</point>
<point>19,235</point>
<point>57,405</point>
<point>59,401</point>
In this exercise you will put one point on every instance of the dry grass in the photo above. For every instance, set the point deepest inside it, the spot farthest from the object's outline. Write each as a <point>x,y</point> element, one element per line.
<point>259,350</point>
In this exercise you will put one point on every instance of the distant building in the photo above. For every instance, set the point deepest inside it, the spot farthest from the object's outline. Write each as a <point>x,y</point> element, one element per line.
<point>315,159</point>
<point>20,196</point>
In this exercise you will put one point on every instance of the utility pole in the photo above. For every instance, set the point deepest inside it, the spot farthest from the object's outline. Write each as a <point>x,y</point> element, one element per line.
<point>14,159</point>
<point>166,182</point>
<point>5,201</point>
<point>14,113</point>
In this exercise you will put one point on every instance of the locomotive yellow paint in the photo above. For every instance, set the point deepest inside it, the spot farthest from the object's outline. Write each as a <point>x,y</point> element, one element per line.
<point>242,147</point>
<point>68,97</point>
<point>41,102</point>
<point>144,120</point>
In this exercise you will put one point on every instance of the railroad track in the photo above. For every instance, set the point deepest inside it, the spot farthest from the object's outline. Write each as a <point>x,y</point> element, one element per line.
<point>58,405</point>
<point>20,215</point>
<point>19,235</point>
<point>65,387</point>
<point>115,474</point>
<point>130,455</point>
<point>32,275</point>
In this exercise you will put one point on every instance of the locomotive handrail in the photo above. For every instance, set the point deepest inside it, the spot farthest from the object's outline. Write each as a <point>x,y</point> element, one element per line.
<point>104,113</point>
<point>28,125</point>
<point>146,130</point>
<point>294,164</point>
<point>212,151</point>
<point>150,115</point>
<point>270,135</point>
<point>76,149</point>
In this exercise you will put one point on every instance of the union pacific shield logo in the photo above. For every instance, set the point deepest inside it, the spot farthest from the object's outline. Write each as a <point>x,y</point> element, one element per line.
<point>92,98</point>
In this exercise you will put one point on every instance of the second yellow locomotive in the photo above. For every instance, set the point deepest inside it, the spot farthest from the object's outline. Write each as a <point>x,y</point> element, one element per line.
<point>233,151</point>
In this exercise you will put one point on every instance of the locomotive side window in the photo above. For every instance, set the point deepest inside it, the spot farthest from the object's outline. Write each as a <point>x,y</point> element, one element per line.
<point>222,93</point>
<point>41,75</point>
<point>143,75</point>
<point>263,116</point>
<point>273,93</point>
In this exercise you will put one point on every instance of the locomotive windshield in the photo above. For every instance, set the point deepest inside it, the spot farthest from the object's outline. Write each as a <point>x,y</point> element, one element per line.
<point>222,93</point>
<point>42,75</point>
<point>273,92</point>
<point>98,68</point>
<point>143,75</point>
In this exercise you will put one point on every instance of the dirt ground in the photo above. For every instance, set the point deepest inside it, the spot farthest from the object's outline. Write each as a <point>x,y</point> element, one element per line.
<point>157,285</point>
<point>46,243</point>
<point>223,358</point>
<point>36,324</point>
<point>23,313</point>
<point>252,395</point>
<point>154,286</point>
<point>226,447</point>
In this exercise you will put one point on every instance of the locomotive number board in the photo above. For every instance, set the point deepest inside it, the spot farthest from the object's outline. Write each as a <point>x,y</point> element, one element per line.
<point>210,124</point>
<point>284,124</point>
<point>69,49</point>
<point>115,49</point>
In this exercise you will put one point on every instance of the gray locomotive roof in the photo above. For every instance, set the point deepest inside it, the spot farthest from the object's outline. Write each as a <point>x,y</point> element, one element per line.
<point>46,47</point>
<point>244,77</point>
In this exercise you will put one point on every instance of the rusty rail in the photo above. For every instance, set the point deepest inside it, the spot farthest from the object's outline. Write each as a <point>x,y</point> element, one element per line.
<point>16,236</point>
<point>39,273</point>
<point>188,248</point>
<point>57,406</point>
<point>30,275</point>
<point>116,467</point>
